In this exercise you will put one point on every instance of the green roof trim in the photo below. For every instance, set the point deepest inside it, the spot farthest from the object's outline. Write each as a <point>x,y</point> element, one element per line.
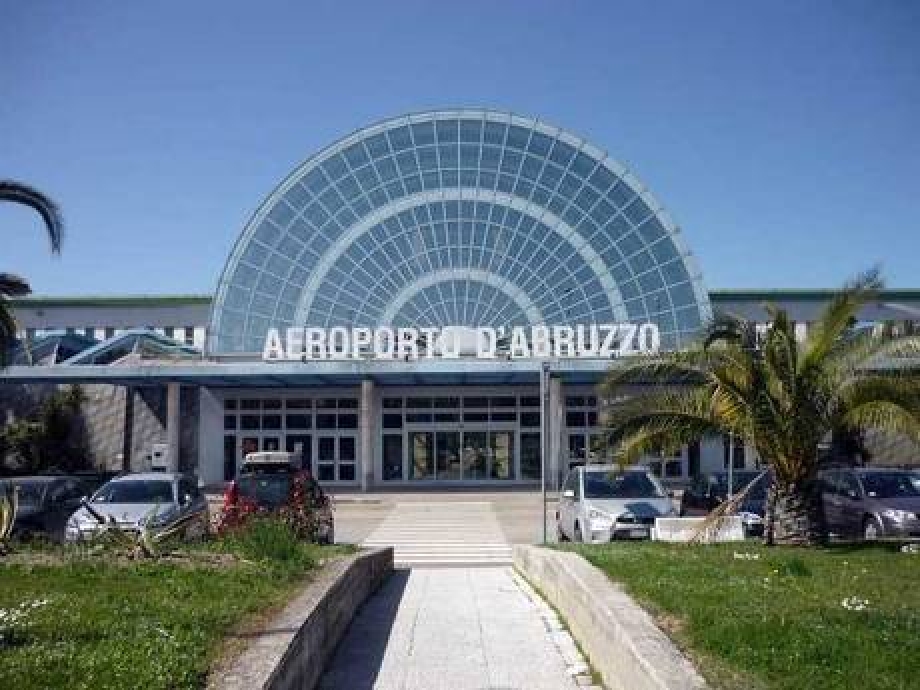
<point>720,295</point>
<point>113,301</point>
<point>774,294</point>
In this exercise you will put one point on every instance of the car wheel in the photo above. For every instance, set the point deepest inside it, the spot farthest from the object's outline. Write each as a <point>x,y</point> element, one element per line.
<point>872,530</point>
<point>577,535</point>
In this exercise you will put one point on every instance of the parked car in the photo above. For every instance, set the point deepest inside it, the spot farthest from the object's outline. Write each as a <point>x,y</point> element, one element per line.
<point>151,499</point>
<point>871,502</point>
<point>266,481</point>
<point>708,491</point>
<point>45,503</point>
<point>599,503</point>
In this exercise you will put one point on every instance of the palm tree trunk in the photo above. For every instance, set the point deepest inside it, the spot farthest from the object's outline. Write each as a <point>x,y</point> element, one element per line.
<point>795,515</point>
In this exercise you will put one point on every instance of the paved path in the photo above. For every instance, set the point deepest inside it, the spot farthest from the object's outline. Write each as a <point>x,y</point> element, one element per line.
<point>456,628</point>
<point>439,533</point>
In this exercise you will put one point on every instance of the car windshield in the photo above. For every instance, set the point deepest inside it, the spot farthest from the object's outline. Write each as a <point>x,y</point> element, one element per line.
<point>891,485</point>
<point>268,490</point>
<point>135,491</point>
<point>30,493</point>
<point>741,480</point>
<point>621,485</point>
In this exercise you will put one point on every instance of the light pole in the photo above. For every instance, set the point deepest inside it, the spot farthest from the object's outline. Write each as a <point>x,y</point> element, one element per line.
<point>544,436</point>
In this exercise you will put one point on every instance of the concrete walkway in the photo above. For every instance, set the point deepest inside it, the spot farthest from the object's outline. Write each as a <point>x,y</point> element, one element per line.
<point>438,533</point>
<point>458,628</point>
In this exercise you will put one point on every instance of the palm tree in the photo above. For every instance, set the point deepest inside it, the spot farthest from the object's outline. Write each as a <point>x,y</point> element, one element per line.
<point>12,285</point>
<point>783,397</point>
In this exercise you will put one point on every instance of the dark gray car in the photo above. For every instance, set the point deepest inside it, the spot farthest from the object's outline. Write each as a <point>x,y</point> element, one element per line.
<point>872,502</point>
<point>45,503</point>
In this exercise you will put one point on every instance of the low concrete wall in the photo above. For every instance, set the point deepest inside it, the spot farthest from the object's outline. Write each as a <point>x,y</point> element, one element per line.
<point>293,649</point>
<point>621,640</point>
<point>683,529</point>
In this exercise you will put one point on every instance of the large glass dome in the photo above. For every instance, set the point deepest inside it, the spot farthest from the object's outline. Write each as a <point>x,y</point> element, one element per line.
<point>457,218</point>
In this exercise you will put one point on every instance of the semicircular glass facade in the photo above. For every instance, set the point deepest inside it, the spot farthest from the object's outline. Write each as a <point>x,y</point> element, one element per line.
<point>457,218</point>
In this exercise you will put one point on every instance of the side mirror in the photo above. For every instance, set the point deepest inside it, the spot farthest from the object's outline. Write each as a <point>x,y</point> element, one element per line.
<point>186,499</point>
<point>568,493</point>
<point>852,495</point>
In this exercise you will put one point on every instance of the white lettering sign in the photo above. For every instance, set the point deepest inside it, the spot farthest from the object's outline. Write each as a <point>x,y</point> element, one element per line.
<point>602,341</point>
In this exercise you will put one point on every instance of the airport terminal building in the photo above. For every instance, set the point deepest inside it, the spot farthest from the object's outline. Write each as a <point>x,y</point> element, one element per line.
<point>431,300</point>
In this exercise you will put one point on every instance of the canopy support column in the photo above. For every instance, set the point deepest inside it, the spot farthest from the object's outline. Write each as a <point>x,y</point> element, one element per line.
<point>172,424</point>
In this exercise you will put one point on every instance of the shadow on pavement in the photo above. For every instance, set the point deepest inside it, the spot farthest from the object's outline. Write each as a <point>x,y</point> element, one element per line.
<point>359,656</point>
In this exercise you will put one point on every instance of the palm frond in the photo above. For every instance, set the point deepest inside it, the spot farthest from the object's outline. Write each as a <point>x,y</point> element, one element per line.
<point>20,193</point>
<point>13,286</point>
<point>885,416</point>
<point>7,332</point>
<point>730,328</point>
<point>840,315</point>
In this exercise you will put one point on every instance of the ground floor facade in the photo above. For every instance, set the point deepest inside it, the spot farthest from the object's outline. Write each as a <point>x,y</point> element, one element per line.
<point>371,436</point>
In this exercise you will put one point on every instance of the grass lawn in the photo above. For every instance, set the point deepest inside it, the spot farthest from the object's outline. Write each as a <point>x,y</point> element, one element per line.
<point>777,619</point>
<point>100,622</point>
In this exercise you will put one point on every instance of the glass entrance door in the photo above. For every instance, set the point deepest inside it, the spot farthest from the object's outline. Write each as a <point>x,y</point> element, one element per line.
<point>447,455</point>
<point>501,454</point>
<point>336,458</point>
<point>475,455</point>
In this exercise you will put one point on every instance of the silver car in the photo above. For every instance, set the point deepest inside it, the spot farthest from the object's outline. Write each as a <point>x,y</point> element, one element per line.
<point>599,503</point>
<point>133,501</point>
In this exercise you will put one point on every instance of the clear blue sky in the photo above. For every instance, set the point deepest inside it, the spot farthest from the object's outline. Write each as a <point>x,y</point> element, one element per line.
<point>784,137</point>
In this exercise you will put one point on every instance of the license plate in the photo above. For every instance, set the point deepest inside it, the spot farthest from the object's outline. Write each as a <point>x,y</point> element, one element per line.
<point>638,533</point>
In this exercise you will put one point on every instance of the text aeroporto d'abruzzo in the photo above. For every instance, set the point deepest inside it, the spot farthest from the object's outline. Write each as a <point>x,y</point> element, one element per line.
<point>451,342</point>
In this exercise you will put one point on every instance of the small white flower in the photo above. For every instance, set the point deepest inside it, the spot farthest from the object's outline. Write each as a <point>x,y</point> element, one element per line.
<point>855,604</point>
<point>746,556</point>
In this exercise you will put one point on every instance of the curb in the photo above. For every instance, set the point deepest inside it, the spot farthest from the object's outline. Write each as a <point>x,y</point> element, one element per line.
<point>293,649</point>
<point>619,637</point>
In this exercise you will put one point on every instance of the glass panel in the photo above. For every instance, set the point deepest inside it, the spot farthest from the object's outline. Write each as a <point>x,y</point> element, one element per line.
<point>348,404</point>
<point>271,421</point>
<point>347,473</point>
<point>229,422</point>
<point>392,457</point>
<point>418,418</point>
<point>421,461</point>
<point>392,403</point>
<point>475,452</point>
<point>326,403</point>
<point>530,401</point>
<point>325,421</point>
<point>229,458</point>
<point>447,451</point>
<point>418,402</point>
<point>530,456</point>
<point>475,416</point>
<point>298,421</point>
<point>274,404</point>
<point>392,421</point>
<point>250,422</point>
<point>509,416</point>
<point>249,444</point>
<point>530,419</point>
<point>501,445</point>
<point>299,403</point>
<point>447,403</point>
<point>348,421</point>
<point>446,418</point>
<point>574,419</point>
<point>504,402</point>
<point>297,443</point>
<point>271,443</point>
<point>250,404</point>
<point>576,448</point>
<point>475,402</point>
<point>230,404</point>
<point>326,473</point>
<point>347,449</point>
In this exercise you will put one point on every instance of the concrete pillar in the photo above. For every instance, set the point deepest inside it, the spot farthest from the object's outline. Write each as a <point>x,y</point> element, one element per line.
<point>556,466</point>
<point>172,424</point>
<point>366,421</point>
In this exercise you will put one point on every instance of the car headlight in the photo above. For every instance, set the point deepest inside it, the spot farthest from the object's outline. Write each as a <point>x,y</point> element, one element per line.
<point>897,515</point>
<point>599,520</point>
